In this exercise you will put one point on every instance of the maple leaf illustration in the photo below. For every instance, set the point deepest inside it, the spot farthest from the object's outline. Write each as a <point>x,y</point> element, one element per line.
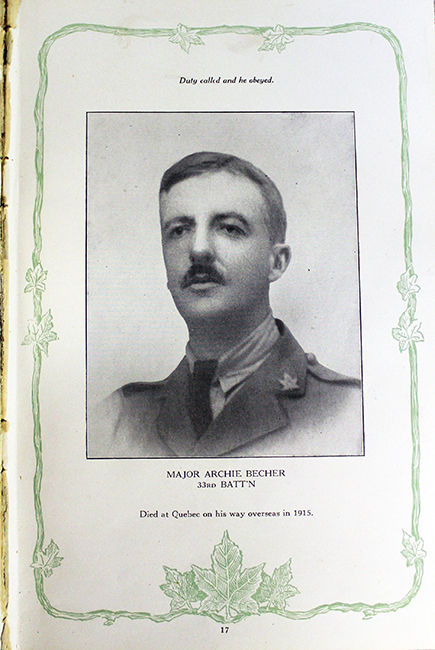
<point>276,38</point>
<point>35,279</point>
<point>407,332</point>
<point>47,560</point>
<point>408,284</point>
<point>40,333</point>
<point>226,586</point>
<point>185,38</point>
<point>274,591</point>
<point>413,549</point>
<point>181,588</point>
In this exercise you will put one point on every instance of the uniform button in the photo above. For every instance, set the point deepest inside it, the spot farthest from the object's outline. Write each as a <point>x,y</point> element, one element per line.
<point>311,359</point>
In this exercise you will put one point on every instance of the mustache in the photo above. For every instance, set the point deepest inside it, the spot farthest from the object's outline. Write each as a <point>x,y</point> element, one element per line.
<point>200,273</point>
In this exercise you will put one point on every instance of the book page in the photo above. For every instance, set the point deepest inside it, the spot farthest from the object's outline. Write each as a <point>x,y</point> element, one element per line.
<point>221,349</point>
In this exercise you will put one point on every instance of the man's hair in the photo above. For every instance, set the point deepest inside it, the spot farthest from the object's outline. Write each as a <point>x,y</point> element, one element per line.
<point>206,161</point>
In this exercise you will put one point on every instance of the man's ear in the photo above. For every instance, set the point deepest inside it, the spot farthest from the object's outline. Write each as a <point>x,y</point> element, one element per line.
<point>279,260</point>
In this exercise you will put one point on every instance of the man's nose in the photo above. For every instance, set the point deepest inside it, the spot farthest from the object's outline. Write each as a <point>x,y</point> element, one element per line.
<point>202,244</point>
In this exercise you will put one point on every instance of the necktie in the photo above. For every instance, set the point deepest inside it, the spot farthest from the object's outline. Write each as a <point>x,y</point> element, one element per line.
<point>200,407</point>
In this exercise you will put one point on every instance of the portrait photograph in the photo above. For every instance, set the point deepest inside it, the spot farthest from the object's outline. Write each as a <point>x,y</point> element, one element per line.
<point>222,285</point>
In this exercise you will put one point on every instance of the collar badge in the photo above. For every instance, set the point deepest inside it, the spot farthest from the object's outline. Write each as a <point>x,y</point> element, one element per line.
<point>288,382</point>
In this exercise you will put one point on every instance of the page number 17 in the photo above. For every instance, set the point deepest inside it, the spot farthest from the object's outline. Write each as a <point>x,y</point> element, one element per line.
<point>224,629</point>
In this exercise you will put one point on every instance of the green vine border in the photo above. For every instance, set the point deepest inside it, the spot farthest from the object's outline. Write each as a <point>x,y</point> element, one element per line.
<point>226,593</point>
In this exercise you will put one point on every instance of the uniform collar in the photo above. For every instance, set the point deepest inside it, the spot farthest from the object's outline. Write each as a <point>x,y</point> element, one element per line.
<point>244,358</point>
<point>254,411</point>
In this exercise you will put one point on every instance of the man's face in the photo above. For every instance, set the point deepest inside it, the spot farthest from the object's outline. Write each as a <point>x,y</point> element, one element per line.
<point>216,245</point>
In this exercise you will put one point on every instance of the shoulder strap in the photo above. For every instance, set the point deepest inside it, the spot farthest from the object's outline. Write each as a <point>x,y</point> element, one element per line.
<point>325,374</point>
<point>141,387</point>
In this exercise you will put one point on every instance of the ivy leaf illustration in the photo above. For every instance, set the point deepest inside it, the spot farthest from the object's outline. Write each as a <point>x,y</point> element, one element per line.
<point>413,549</point>
<point>275,590</point>
<point>48,559</point>
<point>226,586</point>
<point>181,588</point>
<point>40,333</point>
<point>36,279</point>
<point>407,332</point>
<point>276,38</point>
<point>408,284</point>
<point>185,37</point>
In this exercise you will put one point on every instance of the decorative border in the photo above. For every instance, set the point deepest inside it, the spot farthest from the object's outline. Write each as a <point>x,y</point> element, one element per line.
<point>225,593</point>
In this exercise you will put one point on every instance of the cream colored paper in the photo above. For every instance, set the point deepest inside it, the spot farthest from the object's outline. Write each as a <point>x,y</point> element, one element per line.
<point>347,555</point>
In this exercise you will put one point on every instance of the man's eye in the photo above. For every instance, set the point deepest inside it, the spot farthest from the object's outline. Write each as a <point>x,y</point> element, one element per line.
<point>177,231</point>
<point>232,229</point>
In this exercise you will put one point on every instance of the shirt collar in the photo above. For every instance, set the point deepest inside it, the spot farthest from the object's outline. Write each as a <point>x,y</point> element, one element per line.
<point>245,357</point>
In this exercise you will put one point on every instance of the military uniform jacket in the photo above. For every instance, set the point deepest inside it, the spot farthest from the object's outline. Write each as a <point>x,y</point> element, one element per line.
<point>290,406</point>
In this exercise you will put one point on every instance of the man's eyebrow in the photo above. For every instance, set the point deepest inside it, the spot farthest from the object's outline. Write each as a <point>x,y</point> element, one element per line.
<point>182,220</point>
<point>221,216</point>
